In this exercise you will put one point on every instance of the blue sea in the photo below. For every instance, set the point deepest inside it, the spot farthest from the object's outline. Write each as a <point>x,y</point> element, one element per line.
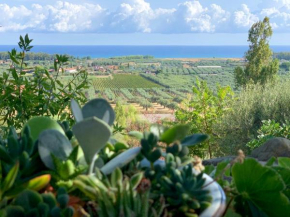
<point>106,51</point>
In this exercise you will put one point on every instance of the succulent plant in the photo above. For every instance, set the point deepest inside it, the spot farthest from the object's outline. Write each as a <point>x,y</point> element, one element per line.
<point>183,190</point>
<point>20,165</point>
<point>118,195</point>
<point>32,204</point>
<point>175,178</point>
<point>93,133</point>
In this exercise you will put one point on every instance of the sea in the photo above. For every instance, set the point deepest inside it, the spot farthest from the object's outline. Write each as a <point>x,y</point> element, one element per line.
<point>107,51</point>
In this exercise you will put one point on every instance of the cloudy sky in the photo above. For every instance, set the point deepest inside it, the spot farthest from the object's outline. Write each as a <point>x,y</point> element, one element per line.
<point>203,22</point>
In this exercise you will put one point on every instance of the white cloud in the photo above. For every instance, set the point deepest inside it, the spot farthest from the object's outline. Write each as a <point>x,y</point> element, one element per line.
<point>139,16</point>
<point>244,17</point>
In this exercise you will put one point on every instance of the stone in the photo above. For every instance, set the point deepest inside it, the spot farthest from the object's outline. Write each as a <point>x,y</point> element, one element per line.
<point>275,147</point>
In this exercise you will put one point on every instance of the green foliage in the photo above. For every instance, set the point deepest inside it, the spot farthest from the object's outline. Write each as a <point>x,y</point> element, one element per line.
<point>43,94</point>
<point>20,165</point>
<point>30,203</point>
<point>255,104</point>
<point>253,189</point>
<point>126,115</point>
<point>268,130</point>
<point>203,111</point>
<point>260,67</point>
<point>256,197</point>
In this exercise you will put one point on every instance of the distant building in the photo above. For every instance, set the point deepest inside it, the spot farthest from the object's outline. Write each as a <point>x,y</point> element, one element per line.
<point>71,70</point>
<point>112,67</point>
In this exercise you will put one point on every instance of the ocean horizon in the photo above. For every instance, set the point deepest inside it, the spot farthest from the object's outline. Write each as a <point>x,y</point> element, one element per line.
<point>158,51</point>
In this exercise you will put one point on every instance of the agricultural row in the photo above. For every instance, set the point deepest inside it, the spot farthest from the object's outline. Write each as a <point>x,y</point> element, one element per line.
<point>122,81</point>
<point>167,97</point>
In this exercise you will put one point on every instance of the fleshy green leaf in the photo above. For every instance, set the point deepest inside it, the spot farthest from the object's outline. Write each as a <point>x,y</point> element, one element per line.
<point>175,133</point>
<point>9,180</point>
<point>136,134</point>
<point>194,139</point>
<point>136,179</point>
<point>53,142</point>
<point>76,110</point>
<point>92,135</point>
<point>99,108</point>
<point>121,160</point>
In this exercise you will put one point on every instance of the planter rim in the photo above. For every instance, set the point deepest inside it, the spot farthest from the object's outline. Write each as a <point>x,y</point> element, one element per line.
<point>218,205</point>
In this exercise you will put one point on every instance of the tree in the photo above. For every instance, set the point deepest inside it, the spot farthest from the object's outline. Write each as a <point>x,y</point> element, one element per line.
<point>202,111</point>
<point>260,67</point>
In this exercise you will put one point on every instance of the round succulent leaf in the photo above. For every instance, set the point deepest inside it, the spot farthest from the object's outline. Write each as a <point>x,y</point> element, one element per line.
<point>99,108</point>
<point>262,186</point>
<point>76,110</point>
<point>92,135</point>
<point>121,160</point>
<point>175,133</point>
<point>194,139</point>
<point>28,199</point>
<point>53,142</point>
<point>39,124</point>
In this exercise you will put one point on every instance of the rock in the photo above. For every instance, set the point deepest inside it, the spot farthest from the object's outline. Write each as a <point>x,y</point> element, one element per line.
<point>275,147</point>
<point>215,161</point>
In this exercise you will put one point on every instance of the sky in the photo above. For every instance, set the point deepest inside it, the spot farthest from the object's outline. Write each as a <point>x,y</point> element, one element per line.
<point>141,22</point>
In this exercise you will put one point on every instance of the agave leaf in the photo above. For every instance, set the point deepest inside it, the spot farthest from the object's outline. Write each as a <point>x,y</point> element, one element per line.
<point>92,135</point>
<point>262,186</point>
<point>136,179</point>
<point>35,184</point>
<point>99,108</point>
<point>76,110</point>
<point>121,160</point>
<point>53,142</point>
<point>194,139</point>
<point>9,180</point>
<point>175,133</point>
<point>116,177</point>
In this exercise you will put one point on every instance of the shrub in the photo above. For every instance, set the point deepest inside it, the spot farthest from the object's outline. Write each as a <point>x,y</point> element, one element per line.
<point>39,94</point>
<point>268,130</point>
<point>255,104</point>
<point>202,111</point>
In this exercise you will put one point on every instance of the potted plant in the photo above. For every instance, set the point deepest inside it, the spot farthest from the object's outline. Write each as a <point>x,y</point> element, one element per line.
<point>106,176</point>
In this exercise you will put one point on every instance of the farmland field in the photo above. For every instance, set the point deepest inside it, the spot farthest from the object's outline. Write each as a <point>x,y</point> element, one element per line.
<point>123,81</point>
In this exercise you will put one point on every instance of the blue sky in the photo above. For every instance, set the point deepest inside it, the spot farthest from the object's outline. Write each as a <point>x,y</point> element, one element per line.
<point>141,22</point>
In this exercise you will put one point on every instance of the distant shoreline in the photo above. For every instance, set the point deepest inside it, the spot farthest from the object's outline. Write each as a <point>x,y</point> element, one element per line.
<point>189,53</point>
<point>200,59</point>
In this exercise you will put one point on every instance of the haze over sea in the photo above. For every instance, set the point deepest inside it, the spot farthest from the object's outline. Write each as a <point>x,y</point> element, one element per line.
<point>106,51</point>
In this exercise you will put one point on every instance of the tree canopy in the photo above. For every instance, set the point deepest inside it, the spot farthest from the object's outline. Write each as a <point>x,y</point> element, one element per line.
<point>260,66</point>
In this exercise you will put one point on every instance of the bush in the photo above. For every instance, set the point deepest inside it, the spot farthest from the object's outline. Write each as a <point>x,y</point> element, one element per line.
<point>255,104</point>
<point>269,130</point>
<point>41,93</point>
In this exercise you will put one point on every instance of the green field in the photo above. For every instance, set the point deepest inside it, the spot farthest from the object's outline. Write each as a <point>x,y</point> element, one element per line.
<point>123,81</point>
